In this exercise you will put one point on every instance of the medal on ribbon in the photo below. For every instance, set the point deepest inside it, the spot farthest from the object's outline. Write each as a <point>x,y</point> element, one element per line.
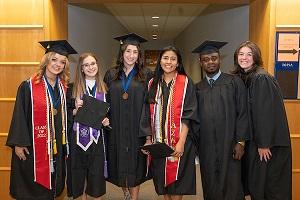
<point>126,83</point>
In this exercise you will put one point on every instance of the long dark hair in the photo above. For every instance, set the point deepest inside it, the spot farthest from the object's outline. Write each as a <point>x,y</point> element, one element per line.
<point>257,59</point>
<point>159,71</point>
<point>120,62</point>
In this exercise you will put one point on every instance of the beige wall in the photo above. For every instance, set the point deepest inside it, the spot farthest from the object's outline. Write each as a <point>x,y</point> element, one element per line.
<point>230,25</point>
<point>267,17</point>
<point>93,31</point>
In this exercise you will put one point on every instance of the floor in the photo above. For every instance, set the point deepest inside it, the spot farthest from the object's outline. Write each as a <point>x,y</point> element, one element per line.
<point>147,191</point>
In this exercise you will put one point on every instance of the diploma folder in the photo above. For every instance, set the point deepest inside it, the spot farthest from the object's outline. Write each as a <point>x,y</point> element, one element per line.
<point>158,150</point>
<point>92,112</point>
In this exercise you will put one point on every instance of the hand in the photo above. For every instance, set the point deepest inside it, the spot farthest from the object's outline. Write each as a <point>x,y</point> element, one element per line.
<point>78,103</point>
<point>264,154</point>
<point>105,121</point>
<point>19,151</point>
<point>148,142</point>
<point>179,149</point>
<point>238,151</point>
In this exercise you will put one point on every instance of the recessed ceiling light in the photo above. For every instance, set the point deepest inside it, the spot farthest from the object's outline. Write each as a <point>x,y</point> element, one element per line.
<point>154,35</point>
<point>155,25</point>
<point>155,17</point>
<point>154,38</point>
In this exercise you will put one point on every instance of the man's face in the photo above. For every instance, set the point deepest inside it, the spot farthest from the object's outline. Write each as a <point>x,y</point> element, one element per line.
<point>210,63</point>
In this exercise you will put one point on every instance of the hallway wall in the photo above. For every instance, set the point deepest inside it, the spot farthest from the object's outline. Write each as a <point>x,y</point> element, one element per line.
<point>86,34</point>
<point>234,24</point>
<point>93,31</point>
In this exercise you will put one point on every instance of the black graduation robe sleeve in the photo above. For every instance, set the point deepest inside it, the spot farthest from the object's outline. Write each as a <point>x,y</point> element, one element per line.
<point>189,114</point>
<point>145,121</point>
<point>270,127</point>
<point>20,128</point>
<point>70,107</point>
<point>70,99</point>
<point>242,132</point>
<point>108,77</point>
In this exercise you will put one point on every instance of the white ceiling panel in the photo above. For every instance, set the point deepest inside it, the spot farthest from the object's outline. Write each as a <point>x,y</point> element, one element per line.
<point>173,18</point>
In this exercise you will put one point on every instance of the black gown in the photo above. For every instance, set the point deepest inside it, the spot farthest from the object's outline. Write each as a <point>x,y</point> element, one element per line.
<point>269,129</point>
<point>127,165</point>
<point>22,185</point>
<point>70,106</point>
<point>186,183</point>
<point>223,122</point>
<point>83,165</point>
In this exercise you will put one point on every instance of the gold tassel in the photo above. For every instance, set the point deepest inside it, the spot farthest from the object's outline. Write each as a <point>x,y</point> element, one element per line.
<point>64,137</point>
<point>54,147</point>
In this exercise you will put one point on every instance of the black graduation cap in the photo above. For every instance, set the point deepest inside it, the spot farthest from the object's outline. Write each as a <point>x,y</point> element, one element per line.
<point>130,38</point>
<point>61,47</point>
<point>92,112</point>
<point>209,46</point>
<point>158,150</point>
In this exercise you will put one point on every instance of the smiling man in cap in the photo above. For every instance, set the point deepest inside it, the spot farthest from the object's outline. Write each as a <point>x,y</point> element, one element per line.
<point>223,128</point>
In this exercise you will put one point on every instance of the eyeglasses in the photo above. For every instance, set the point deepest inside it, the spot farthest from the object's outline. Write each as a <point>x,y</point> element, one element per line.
<point>86,65</point>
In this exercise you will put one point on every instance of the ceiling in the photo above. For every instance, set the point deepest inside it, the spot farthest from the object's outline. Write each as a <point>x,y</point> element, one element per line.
<point>173,17</point>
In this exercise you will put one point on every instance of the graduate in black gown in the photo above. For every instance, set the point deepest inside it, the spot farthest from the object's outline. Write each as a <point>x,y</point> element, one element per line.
<point>268,157</point>
<point>127,85</point>
<point>37,132</point>
<point>222,110</point>
<point>171,107</point>
<point>87,144</point>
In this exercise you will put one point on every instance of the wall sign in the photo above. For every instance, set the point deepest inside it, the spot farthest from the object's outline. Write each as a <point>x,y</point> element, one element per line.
<point>287,63</point>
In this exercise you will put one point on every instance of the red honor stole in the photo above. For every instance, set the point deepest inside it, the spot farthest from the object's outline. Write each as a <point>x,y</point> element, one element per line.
<point>173,123</point>
<point>42,144</point>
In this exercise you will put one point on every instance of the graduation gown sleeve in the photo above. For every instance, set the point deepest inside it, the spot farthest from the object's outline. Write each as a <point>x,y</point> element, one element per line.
<point>269,121</point>
<point>190,105</point>
<point>242,127</point>
<point>20,127</point>
<point>145,121</point>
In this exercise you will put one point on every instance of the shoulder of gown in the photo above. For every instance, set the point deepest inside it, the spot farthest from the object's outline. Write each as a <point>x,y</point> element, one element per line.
<point>109,76</point>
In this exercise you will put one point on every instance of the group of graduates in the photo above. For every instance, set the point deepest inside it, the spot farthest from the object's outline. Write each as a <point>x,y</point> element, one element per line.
<point>236,123</point>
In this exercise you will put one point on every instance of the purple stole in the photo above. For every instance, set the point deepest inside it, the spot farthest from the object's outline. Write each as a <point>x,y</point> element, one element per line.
<point>85,136</point>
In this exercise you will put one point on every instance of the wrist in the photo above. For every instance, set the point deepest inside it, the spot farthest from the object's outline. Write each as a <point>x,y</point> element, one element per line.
<point>242,143</point>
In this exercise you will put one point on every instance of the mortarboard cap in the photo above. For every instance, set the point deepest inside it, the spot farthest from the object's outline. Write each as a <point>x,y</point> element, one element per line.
<point>61,47</point>
<point>92,112</point>
<point>209,46</point>
<point>130,38</point>
<point>158,150</point>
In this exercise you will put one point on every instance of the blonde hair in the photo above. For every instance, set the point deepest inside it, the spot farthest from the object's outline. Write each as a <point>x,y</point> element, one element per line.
<point>79,80</point>
<point>64,75</point>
